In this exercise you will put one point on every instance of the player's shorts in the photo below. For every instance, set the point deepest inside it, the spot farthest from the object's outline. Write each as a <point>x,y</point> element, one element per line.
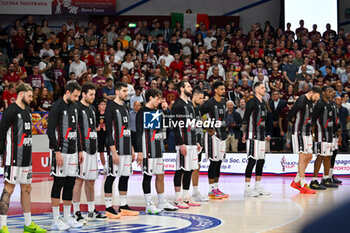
<point>302,144</point>
<point>18,175</point>
<point>324,148</point>
<point>215,148</point>
<point>153,166</point>
<point>335,144</point>
<point>101,145</point>
<point>188,162</point>
<point>89,169</point>
<point>70,165</point>
<point>124,168</point>
<point>256,149</point>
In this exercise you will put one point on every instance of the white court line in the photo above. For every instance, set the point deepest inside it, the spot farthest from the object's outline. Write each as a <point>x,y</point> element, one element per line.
<point>301,212</point>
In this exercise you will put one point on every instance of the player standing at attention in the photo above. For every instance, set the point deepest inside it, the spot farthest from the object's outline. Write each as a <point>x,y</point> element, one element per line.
<point>215,138</point>
<point>254,133</point>
<point>16,156</point>
<point>187,147</point>
<point>336,135</point>
<point>121,152</point>
<point>66,154</point>
<point>300,119</point>
<point>101,132</point>
<point>88,170</point>
<point>149,149</point>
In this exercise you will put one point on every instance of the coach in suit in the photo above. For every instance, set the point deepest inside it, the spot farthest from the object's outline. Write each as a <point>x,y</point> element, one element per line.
<point>150,45</point>
<point>276,105</point>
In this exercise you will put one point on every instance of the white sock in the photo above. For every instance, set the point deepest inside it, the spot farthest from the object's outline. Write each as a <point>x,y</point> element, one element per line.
<point>122,200</point>
<point>161,198</point>
<point>148,198</point>
<point>186,194</point>
<point>247,185</point>
<point>76,207</point>
<point>56,212</point>
<point>27,218</point>
<point>91,206</point>
<point>297,178</point>
<point>177,195</point>
<point>3,220</point>
<point>195,190</point>
<point>330,172</point>
<point>66,211</point>
<point>108,201</point>
<point>257,184</point>
<point>325,177</point>
<point>314,178</point>
<point>211,187</point>
<point>216,185</point>
<point>302,181</point>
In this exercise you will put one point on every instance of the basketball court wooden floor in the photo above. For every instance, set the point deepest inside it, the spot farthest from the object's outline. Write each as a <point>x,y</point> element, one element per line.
<point>284,211</point>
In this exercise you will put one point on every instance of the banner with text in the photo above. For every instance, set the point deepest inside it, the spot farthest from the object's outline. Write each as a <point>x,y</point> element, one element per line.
<point>80,7</point>
<point>24,7</point>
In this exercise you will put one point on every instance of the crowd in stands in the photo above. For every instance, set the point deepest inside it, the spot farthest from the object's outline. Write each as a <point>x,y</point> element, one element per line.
<point>288,62</point>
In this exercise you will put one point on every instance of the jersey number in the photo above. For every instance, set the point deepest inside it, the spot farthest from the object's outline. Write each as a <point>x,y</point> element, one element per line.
<point>73,119</point>
<point>26,125</point>
<point>125,119</point>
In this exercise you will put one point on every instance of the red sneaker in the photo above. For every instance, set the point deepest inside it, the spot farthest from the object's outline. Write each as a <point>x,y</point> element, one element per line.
<point>295,185</point>
<point>307,190</point>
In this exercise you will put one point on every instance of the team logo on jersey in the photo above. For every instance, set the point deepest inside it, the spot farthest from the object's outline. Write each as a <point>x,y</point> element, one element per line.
<point>152,120</point>
<point>221,111</point>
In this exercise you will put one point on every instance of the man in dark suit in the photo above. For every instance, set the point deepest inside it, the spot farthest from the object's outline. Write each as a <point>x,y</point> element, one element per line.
<point>276,105</point>
<point>235,95</point>
<point>150,45</point>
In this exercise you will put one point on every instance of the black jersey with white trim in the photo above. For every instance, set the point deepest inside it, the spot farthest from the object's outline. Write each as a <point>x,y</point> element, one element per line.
<point>199,130</point>
<point>255,119</point>
<point>322,119</point>
<point>62,128</point>
<point>184,112</point>
<point>118,128</point>
<point>87,128</point>
<point>337,126</point>
<point>301,116</point>
<point>16,136</point>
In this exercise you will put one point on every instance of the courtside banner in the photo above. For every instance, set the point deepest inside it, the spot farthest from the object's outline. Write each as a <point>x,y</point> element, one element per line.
<point>89,7</point>
<point>24,7</point>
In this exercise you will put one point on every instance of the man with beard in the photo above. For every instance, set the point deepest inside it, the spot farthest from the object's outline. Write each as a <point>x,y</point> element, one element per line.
<point>16,156</point>
<point>215,138</point>
<point>187,147</point>
<point>88,170</point>
<point>299,118</point>
<point>66,154</point>
<point>150,149</point>
<point>254,131</point>
<point>121,152</point>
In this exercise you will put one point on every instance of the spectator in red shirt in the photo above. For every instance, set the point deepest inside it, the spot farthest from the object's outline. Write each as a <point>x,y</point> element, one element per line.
<point>86,57</point>
<point>177,64</point>
<point>187,66</point>
<point>19,70</point>
<point>170,94</point>
<point>10,96</point>
<point>63,34</point>
<point>201,64</point>
<point>36,80</point>
<point>257,47</point>
<point>10,76</point>
<point>19,40</point>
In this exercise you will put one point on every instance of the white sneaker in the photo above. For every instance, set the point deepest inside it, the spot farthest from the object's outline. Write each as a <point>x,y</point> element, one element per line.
<point>167,206</point>
<point>250,193</point>
<point>72,222</point>
<point>262,191</point>
<point>198,198</point>
<point>79,217</point>
<point>190,202</point>
<point>179,203</point>
<point>59,225</point>
<point>152,209</point>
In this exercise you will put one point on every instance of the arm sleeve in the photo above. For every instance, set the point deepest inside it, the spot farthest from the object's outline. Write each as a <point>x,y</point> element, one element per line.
<point>5,124</point>
<point>139,131</point>
<point>248,111</point>
<point>52,124</point>
<point>109,125</point>
<point>176,111</point>
<point>316,113</point>
<point>80,132</point>
<point>295,109</point>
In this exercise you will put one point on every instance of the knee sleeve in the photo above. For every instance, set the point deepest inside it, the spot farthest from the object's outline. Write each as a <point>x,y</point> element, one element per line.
<point>212,169</point>
<point>146,184</point>
<point>259,167</point>
<point>335,152</point>
<point>68,188</point>
<point>109,184</point>
<point>218,169</point>
<point>187,180</point>
<point>249,168</point>
<point>123,183</point>
<point>58,183</point>
<point>178,177</point>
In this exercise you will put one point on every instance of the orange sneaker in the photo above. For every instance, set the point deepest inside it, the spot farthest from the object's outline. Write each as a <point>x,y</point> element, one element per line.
<point>111,213</point>
<point>127,211</point>
<point>307,190</point>
<point>295,185</point>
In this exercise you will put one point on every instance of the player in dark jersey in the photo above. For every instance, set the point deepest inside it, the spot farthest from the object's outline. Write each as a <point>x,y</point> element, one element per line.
<point>187,147</point>
<point>66,154</point>
<point>121,151</point>
<point>16,156</point>
<point>336,136</point>
<point>299,118</point>
<point>198,100</point>
<point>88,170</point>
<point>323,123</point>
<point>150,147</point>
<point>215,138</point>
<point>254,133</point>
<point>101,133</point>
